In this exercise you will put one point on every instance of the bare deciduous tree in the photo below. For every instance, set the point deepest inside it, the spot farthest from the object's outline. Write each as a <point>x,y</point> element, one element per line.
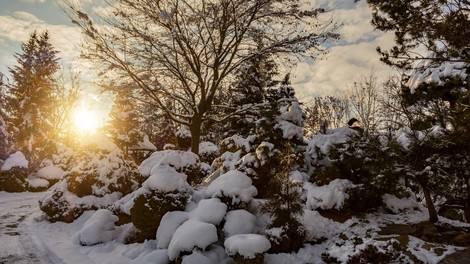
<point>184,50</point>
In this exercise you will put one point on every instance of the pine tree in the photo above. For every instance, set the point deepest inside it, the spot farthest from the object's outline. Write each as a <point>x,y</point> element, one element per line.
<point>124,126</point>
<point>4,135</point>
<point>31,96</point>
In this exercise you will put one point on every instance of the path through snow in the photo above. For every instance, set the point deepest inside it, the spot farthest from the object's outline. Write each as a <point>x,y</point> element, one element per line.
<point>18,244</point>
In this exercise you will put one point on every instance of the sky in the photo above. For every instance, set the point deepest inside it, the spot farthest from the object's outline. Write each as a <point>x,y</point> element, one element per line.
<point>348,59</point>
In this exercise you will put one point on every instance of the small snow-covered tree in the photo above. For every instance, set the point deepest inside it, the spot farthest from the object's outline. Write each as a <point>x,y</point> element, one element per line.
<point>284,205</point>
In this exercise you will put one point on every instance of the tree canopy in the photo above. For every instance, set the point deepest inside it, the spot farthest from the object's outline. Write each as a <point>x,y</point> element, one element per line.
<point>186,50</point>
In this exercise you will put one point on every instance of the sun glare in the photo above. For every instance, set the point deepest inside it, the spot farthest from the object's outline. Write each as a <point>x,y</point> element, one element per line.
<point>86,120</point>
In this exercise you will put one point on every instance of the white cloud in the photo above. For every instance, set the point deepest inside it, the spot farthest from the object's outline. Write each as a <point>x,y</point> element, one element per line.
<point>352,56</point>
<point>17,28</point>
<point>33,1</point>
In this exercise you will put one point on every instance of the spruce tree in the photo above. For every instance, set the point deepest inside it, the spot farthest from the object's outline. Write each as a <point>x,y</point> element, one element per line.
<point>31,95</point>
<point>4,135</point>
<point>124,126</point>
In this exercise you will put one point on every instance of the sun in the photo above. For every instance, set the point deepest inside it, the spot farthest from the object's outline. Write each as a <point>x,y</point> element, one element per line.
<point>86,121</point>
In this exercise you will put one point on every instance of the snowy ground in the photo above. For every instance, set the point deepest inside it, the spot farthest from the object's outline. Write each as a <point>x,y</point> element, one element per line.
<point>26,238</point>
<point>18,241</point>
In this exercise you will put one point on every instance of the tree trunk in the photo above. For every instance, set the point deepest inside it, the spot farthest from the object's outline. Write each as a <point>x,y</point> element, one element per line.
<point>430,205</point>
<point>195,129</point>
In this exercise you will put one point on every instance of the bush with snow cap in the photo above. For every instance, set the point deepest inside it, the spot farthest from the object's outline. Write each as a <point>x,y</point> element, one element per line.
<point>99,228</point>
<point>166,189</point>
<point>168,225</point>
<point>99,176</point>
<point>192,234</point>
<point>210,211</point>
<point>234,187</point>
<point>244,247</point>
<point>239,222</point>
<point>14,172</point>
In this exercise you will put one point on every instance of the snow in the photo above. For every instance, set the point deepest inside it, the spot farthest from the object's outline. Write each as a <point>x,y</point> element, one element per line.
<point>99,228</point>
<point>176,159</point>
<point>168,225</point>
<point>239,222</point>
<point>15,160</point>
<point>210,211</point>
<point>247,245</point>
<point>192,234</point>
<point>57,243</point>
<point>398,205</point>
<point>165,170</point>
<point>332,195</point>
<point>289,130</point>
<point>37,183</point>
<point>100,141</point>
<point>208,148</point>
<point>233,184</point>
<point>436,73</point>
<point>325,141</point>
<point>50,172</point>
<point>146,144</point>
<point>167,179</point>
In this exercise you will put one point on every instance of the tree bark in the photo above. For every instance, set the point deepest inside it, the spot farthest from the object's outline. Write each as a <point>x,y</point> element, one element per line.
<point>431,209</point>
<point>195,129</point>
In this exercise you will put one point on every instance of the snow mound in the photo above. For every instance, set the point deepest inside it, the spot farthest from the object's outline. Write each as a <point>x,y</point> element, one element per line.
<point>37,183</point>
<point>50,172</point>
<point>208,148</point>
<point>317,226</point>
<point>210,211</point>
<point>323,142</point>
<point>239,222</point>
<point>332,195</point>
<point>168,225</point>
<point>167,179</point>
<point>173,158</point>
<point>192,234</point>
<point>398,205</point>
<point>233,184</point>
<point>15,160</point>
<point>99,228</point>
<point>247,245</point>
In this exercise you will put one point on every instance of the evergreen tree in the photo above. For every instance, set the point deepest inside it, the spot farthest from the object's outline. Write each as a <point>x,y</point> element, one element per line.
<point>124,126</point>
<point>31,96</point>
<point>437,108</point>
<point>4,135</point>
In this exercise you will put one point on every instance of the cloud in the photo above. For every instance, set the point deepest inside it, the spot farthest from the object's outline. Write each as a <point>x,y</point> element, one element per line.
<point>33,1</point>
<point>349,58</point>
<point>17,28</point>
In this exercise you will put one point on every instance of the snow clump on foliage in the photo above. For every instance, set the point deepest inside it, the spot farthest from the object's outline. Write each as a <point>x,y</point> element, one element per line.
<point>233,184</point>
<point>332,195</point>
<point>99,228</point>
<point>247,245</point>
<point>15,160</point>
<point>239,222</point>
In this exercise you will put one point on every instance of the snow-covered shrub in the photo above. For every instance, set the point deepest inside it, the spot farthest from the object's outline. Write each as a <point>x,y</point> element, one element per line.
<point>210,211</point>
<point>99,177</point>
<point>166,189</point>
<point>150,207</point>
<point>247,248</point>
<point>233,188</point>
<point>239,222</point>
<point>168,225</point>
<point>13,173</point>
<point>192,234</point>
<point>99,228</point>
<point>368,162</point>
<point>184,162</point>
<point>208,151</point>
<point>183,138</point>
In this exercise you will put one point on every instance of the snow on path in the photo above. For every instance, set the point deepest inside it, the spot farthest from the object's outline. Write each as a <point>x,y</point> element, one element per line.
<point>18,243</point>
